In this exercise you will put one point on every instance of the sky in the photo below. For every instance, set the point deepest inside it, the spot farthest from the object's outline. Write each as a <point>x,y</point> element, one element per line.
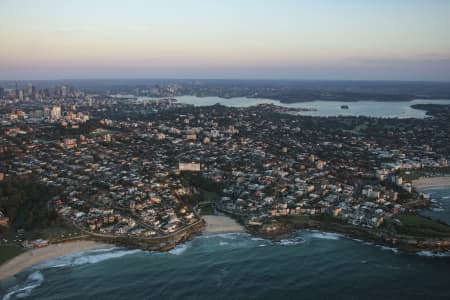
<point>292,39</point>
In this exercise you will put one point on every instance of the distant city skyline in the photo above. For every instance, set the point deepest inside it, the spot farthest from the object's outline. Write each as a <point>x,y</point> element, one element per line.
<point>247,39</point>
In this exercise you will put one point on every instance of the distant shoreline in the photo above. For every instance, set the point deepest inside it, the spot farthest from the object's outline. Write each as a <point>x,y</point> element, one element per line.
<point>286,101</point>
<point>431,182</point>
<point>35,256</point>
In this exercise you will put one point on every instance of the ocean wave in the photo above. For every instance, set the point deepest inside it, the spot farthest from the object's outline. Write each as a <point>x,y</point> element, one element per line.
<point>229,235</point>
<point>386,248</point>
<point>395,250</point>
<point>236,240</point>
<point>437,209</point>
<point>103,250</point>
<point>291,242</point>
<point>179,249</point>
<point>258,239</point>
<point>24,289</point>
<point>92,259</point>
<point>433,254</point>
<point>324,235</point>
<point>87,257</point>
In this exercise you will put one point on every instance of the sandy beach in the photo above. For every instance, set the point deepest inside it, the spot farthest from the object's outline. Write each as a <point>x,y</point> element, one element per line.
<point>429,182</point>
<point>221,224</point>
<point>35,256</point>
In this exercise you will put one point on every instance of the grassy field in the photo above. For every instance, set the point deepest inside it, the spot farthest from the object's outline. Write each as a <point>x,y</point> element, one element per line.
<point>293,220</point>
<point>207,209</point>
<point>9,251</point>
<point>207,196</point>
<point>329,219</point>
<point>421,226</point>
<point>51,233</point>
<point>417,174</point>
<point>413,175</point>
<point>207,200</point>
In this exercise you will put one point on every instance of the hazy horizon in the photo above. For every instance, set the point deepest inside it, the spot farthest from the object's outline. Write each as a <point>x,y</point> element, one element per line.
<point>306,80</point>
<point>385,40</point>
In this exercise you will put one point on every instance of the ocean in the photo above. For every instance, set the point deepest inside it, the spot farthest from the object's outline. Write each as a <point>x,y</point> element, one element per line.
<point>309,265</point>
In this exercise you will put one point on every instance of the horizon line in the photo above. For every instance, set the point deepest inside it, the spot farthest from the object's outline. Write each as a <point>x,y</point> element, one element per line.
<point>237,79</point>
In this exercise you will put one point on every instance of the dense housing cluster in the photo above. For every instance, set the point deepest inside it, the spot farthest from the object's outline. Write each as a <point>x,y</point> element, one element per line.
<point>119,162</point>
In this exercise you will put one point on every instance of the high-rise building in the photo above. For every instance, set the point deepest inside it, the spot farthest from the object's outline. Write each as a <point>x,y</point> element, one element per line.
<point>56,113</point>
<point>34,93</point>
<point>30,89</point>
<point>2,92</point>
<point>47,112</point>
<point>17,89</point>
<point>64,91</point>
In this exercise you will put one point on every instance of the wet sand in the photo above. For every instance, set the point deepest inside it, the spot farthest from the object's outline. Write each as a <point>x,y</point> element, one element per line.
<point>221,224</point>
<point>430,182</point>
<point>35,256</point>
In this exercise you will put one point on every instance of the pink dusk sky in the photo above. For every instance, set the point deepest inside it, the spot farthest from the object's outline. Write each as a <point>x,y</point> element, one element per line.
<point>323,39</point>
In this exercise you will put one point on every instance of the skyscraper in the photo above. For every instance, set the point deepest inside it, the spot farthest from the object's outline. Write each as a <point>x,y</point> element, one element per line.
<point>47,112</point>
<point>17,89</point>
<point>56,113</point>
<point>64,91</point>
<point>30,89</point>
<point>34,93</point>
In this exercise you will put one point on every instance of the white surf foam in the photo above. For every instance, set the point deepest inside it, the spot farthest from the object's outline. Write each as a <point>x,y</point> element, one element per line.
<point>229,236</point>
<point>179,249</point>
<point>93,259</point>
<point>291,242</point>
<point>87,257</point>
<point>387,248</point>
<point>433,254</point>
<point>437,209</point>
<point>257,239</point>
<point>324,235</point>
<point>24,289</point>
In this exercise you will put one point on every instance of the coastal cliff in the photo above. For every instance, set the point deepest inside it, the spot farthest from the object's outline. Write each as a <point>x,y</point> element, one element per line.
<point>160,243</point>
<point>281,228</point>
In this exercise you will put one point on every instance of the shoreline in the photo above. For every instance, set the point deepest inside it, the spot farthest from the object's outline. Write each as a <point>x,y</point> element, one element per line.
<point>32,257</point>
<point>38,255</point>
<point>224,224</point>
<point>406,243</point>
<point>431,182</point>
